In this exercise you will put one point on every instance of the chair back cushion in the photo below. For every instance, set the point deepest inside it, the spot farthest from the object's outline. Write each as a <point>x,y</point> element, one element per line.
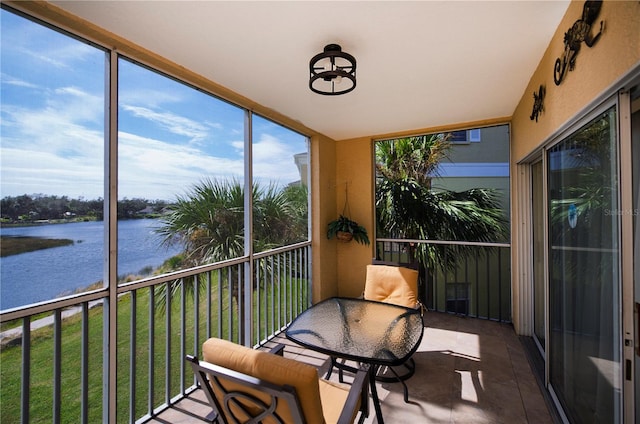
<point>392,284</point>
<point>272,368</point>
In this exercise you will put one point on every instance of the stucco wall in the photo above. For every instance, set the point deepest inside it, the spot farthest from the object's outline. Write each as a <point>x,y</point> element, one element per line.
<point>617,50</point>
<point>323,206</point>
<point>597,69</point>
<point>355,172</point>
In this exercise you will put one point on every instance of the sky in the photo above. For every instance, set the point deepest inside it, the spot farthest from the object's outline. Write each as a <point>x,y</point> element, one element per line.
<point>170,136</point>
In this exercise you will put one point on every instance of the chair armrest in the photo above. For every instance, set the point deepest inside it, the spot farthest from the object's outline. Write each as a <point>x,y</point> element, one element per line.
<point>277,349</point>
<point>358,393</point>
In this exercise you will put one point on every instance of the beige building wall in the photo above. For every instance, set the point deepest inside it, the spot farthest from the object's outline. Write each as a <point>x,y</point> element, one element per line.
<point>355,175</point>
<point>323,205</point>
<point>597,69</point>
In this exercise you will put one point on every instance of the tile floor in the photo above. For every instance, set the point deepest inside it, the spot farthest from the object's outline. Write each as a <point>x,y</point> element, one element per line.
<point>467,371</point>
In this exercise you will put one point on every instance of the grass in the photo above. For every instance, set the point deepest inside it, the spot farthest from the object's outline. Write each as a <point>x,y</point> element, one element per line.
<point>13,245</point>
<point>149,342</point>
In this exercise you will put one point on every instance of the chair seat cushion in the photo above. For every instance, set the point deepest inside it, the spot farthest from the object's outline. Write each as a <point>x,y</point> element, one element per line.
<point>392,284</point>
<point>275,369</point>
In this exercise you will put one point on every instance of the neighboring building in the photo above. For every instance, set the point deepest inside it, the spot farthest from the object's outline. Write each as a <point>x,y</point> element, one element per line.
<point>479,158</point>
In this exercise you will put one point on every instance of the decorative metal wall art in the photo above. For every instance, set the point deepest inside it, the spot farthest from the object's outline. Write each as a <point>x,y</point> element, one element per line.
<point>538,102</point>
<point>579,32</point>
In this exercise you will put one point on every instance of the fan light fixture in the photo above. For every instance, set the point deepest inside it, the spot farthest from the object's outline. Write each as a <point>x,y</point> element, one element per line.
<point>333,71</point>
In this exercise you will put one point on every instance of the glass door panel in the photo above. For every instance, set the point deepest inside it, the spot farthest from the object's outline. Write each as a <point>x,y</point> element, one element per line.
<point>584,277</point>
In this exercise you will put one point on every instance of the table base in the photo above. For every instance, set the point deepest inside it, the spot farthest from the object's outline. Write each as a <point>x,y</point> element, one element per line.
<point>409,369</point>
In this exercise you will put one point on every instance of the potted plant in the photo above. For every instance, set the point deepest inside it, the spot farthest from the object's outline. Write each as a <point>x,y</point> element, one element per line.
<point>345,230</point>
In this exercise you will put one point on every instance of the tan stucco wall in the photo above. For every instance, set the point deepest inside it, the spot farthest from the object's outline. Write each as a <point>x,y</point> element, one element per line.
<point>596,70</point>
<point>354,172</point>
<point>323,206</point>
<point>617,50</point>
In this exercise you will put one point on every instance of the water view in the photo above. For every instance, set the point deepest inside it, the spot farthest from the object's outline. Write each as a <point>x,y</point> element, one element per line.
<point>49,273</point>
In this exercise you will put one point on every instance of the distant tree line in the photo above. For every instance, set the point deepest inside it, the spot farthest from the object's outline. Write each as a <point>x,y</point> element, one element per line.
<point>37,207</point>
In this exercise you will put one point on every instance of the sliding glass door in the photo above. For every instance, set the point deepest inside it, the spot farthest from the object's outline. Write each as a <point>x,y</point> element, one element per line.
<point>584,272</point>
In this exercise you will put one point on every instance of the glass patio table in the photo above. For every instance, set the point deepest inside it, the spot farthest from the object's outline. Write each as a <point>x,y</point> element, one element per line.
<point>369,332</point>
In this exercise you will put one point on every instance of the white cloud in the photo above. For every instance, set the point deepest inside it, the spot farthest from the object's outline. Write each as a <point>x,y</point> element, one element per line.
<point>14,81</point>
<point>165,169</point>
<point>56,149</point>
<point>58,53</point>
<point>171,122</point>
<point>151,98</point>
<point>273,160</point>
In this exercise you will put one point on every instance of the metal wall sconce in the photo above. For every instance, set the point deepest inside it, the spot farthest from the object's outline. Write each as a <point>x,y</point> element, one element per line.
<point>333,71</point>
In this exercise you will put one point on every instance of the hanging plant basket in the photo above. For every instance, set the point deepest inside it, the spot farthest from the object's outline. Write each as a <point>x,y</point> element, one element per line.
<point>344,236</point>
<point>345,230</point>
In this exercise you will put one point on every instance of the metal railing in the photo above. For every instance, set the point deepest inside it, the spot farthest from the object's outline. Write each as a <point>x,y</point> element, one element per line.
<point>477,284</point>
<point>159,320</point>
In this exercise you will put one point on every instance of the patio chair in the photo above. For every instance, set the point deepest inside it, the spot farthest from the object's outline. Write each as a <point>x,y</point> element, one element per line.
<point>244,385</point>
<point>397,284</point>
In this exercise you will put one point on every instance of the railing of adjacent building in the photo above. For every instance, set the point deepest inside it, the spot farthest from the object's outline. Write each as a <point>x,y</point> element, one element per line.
<point>54,359</point>
<point>479,285</point>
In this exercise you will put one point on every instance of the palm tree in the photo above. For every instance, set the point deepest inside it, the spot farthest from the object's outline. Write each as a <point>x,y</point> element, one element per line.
<point>408,207</point>
<point>209,222</point>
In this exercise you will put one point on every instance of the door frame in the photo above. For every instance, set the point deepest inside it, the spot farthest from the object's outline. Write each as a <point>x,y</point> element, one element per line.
<point>630,335</point>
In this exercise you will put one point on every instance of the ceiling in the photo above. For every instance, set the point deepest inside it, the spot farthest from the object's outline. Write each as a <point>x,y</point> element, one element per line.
<point>419,63</point>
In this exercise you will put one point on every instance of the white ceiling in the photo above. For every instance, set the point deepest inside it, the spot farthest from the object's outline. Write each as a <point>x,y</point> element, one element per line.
<point>419,63</point>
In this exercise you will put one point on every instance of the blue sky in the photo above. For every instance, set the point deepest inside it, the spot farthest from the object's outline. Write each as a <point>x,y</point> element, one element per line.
<point>170,136</point>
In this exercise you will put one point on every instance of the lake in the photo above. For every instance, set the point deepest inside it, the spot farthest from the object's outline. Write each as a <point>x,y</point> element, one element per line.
<point>49,273</point>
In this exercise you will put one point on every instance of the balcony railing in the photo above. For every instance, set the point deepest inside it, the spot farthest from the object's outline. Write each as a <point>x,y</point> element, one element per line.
<point>477,285</point>
<point>60,371</point>
<point>59,364</point>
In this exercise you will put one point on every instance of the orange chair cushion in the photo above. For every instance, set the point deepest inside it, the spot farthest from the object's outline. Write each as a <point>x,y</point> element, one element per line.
<point>273,368</point>
<point>392,284</point>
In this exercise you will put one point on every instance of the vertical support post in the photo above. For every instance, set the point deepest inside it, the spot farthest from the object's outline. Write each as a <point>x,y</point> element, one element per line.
<point>132,356</point>
<point>167,355</point>
<point>152,346</point>
<point>57,363</point>
<point>111,241</point>
<point>246,312</point>
<point>84,365</point>
<point>25,390</point>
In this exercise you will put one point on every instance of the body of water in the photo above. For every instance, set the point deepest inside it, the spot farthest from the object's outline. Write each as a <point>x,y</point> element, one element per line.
<point>49,273</point>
